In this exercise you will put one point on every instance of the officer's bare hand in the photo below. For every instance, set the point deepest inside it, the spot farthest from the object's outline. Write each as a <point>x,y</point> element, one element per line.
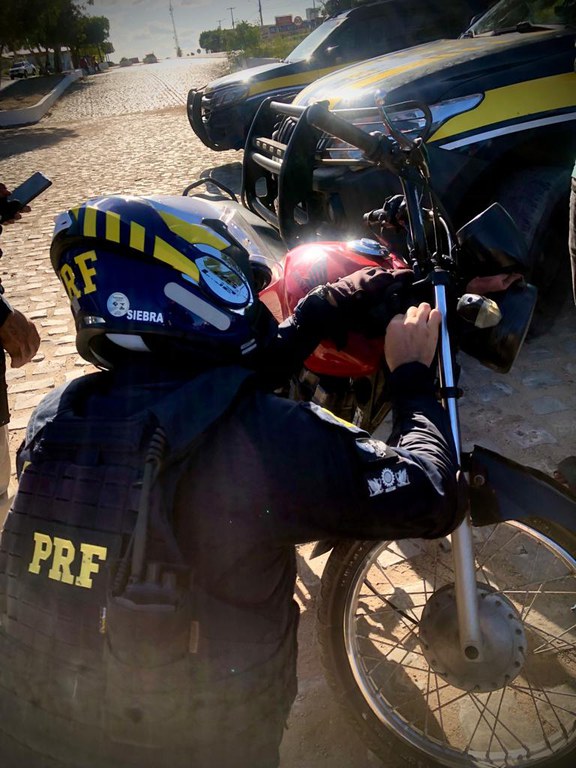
<point>20,339</point>
<point>412,338</point>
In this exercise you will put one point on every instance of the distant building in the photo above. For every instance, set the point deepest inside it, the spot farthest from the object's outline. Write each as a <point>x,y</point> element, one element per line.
<point>290,25</point>
<point>38,58</point>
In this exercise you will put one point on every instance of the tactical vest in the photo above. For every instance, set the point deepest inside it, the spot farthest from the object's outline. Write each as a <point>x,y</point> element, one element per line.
<point>97,625</point>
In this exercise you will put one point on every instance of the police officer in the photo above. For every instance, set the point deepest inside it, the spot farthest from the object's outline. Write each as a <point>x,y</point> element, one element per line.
<point>18,337</point>
<point>148,563</point>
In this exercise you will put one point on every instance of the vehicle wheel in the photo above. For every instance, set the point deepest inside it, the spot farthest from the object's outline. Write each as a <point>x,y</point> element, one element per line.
<point>537,200</point>
<point>386,610</point>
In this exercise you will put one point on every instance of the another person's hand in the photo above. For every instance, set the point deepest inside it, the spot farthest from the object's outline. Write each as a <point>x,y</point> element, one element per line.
<point>412,338</point>
<point>20,339</point>
<point>5,209</point>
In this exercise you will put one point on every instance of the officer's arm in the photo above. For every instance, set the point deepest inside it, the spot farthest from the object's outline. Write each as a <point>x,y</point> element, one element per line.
<point>415,481</point>
<point>403,488</point>
<point>363,302</point>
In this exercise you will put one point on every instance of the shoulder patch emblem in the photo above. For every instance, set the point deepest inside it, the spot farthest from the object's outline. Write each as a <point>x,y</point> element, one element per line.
<point>387,481</point>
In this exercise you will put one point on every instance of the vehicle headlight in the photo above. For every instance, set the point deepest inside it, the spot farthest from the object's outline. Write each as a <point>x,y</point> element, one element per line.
<point>410,122</point>
<point>226,95</point>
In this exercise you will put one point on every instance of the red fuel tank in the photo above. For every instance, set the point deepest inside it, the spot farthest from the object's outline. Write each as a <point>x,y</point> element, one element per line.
<point>314,264</point>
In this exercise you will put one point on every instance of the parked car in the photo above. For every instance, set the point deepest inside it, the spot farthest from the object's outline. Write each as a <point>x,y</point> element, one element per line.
<point>22,69</point>
<point>221,113</point>
<point>503,101</point>
<point>150,58</point>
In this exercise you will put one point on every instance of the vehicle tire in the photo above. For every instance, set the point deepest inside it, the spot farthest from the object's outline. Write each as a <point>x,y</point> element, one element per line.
<point>370,616</point>
<point>537,200</point>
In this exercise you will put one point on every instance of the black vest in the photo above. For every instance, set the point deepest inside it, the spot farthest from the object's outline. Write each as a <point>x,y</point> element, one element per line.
<point>97,625</point>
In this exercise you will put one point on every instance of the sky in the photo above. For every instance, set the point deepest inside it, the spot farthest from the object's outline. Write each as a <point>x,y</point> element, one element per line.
<point>138,27</point>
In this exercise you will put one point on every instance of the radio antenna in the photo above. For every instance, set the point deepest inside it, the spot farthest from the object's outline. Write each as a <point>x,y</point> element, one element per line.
<point>176,43</point>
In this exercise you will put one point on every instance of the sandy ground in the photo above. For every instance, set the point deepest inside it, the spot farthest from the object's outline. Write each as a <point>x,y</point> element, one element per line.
<point>127,132</point>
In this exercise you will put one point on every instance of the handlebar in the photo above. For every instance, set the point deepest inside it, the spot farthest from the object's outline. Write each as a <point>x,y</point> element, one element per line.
<point>391,151</point>
<point>320,117</point>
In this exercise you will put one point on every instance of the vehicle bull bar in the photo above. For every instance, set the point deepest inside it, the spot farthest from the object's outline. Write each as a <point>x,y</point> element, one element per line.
<point>280,177</point>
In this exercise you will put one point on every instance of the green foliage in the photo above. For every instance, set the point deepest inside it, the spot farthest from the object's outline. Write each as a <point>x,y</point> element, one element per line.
<point>43,24</point>
<point>279,46</point>
<point>245,37</point>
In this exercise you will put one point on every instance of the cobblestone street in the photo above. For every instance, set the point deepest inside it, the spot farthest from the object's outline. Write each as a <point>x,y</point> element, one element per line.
<point>126,131</point>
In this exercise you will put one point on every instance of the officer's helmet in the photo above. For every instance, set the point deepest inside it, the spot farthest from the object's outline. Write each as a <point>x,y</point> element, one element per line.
<point>146,274</point>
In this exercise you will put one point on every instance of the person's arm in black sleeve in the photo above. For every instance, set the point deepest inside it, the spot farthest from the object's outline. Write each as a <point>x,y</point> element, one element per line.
<point>420,477</point>
<point>350,485</point>
<point>364,302</point>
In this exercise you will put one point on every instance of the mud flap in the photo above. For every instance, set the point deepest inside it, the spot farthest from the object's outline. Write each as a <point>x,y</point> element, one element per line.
<point>501,489</point>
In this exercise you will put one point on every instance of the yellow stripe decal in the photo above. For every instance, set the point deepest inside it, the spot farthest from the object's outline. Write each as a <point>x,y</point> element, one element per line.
<point>414,64</point>
<point>90,222</point>
<point>514,101</point>
<point>112,226</point>
<point>163,251</point>
<point>302,78</point>
<point>137,236</point>
<point>193,233</point>
<point>349,84</point>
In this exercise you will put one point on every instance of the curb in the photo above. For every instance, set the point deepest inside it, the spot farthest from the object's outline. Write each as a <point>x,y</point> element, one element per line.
<point>29,115</point>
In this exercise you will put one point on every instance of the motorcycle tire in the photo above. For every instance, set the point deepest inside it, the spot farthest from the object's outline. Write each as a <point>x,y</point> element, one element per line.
<point>370,627</point>
<point>537,200</point>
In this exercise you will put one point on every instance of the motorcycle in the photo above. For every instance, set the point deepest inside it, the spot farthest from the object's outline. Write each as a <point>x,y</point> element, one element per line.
<point>457,652</point>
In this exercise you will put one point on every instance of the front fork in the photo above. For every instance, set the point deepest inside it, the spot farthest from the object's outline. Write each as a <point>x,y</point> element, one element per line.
<point>462,544</point>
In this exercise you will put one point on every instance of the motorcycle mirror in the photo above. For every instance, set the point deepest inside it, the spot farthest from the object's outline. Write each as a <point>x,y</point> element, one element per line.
<point>478,310</point>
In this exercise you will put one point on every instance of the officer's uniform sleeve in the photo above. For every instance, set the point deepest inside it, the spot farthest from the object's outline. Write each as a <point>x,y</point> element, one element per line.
<point>356,486</point>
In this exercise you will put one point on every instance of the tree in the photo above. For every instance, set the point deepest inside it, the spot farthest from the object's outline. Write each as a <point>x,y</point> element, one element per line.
<point>244,37</point>
<point>45,24</point>
<point>96,30</point>
<point>247,37</point>
<point>212,40</point>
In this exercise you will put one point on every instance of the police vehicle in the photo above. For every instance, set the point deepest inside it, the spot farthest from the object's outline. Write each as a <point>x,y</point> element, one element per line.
<point>221,113</point>
<point>503,104</point>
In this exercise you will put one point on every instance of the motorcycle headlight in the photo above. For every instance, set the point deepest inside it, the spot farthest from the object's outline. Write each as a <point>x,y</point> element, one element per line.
<point>227,95</point>
<point>411,122</point>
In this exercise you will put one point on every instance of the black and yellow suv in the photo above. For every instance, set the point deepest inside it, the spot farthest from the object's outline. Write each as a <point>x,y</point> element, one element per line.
<point>503,104</point>
<point>221,113</point>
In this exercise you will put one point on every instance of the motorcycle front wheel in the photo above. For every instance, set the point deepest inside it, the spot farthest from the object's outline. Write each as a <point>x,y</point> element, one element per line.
<point>387,627</point>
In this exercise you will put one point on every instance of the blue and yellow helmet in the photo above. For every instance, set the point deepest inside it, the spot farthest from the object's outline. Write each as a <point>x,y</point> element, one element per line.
<point>146,274</point>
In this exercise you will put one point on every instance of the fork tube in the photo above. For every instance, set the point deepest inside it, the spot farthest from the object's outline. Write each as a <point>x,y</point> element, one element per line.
<point>462,545</point>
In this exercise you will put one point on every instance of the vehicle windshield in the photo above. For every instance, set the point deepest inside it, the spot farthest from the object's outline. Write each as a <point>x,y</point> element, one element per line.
<point>507,15</point>
<point>315,39</point>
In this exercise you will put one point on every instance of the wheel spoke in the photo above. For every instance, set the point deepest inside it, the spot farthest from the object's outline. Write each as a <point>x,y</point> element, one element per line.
<point>552,642</point>
<point>521,725</point>
<point>482,563</point>
<point>529,691</point>
<point>502,725</point>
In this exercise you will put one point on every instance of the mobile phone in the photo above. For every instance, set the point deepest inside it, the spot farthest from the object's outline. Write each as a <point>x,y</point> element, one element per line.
<point>29,189</point>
